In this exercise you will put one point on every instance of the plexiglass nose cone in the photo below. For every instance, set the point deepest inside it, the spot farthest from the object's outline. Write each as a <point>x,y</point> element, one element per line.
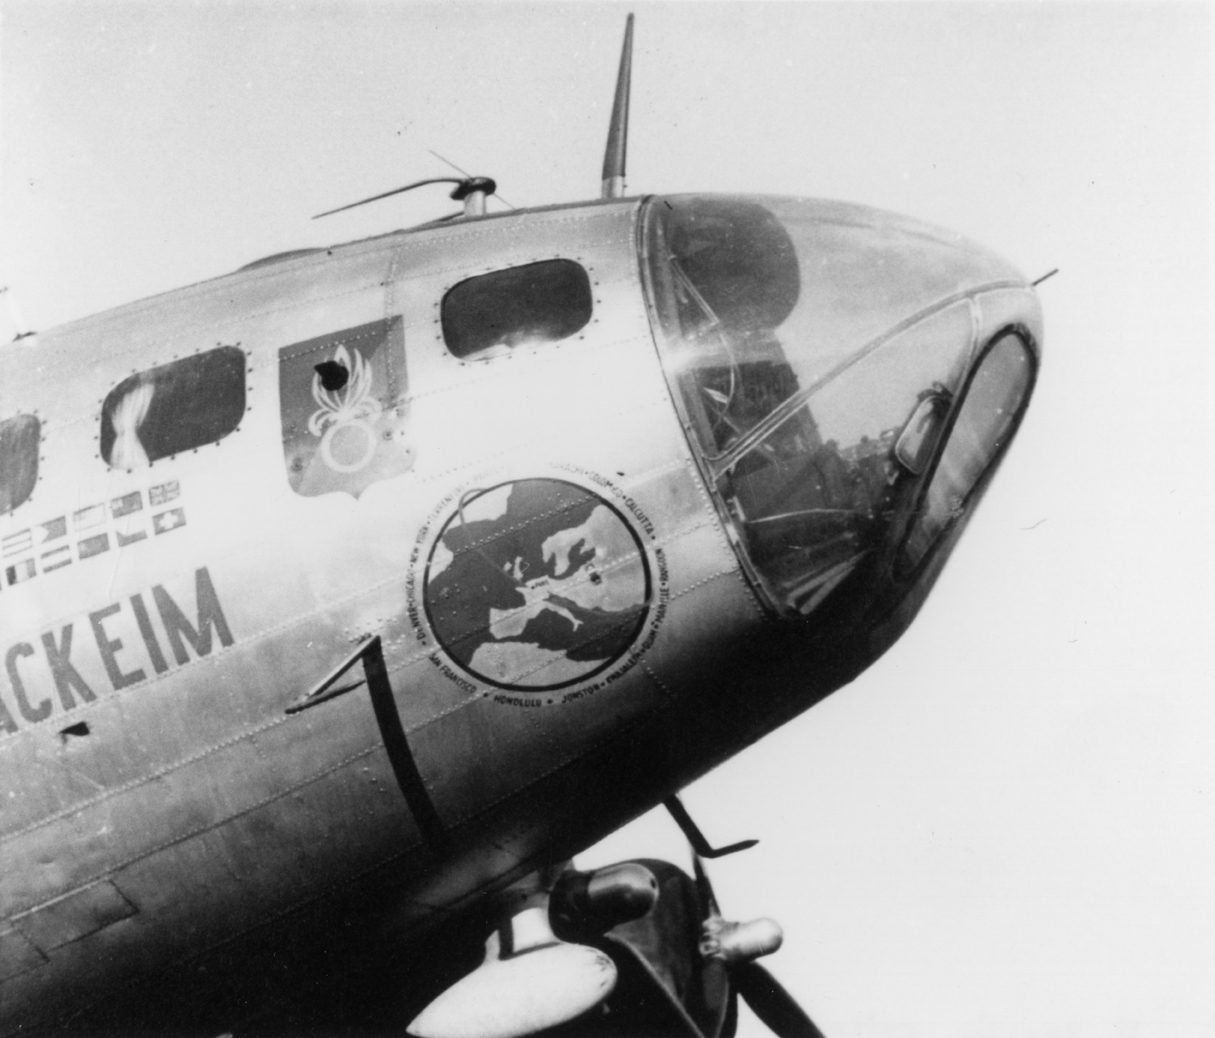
<point>846,376</point>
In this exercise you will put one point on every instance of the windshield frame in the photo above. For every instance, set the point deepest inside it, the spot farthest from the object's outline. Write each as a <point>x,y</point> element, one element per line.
<point>721,463</point>
<point>904,570</point>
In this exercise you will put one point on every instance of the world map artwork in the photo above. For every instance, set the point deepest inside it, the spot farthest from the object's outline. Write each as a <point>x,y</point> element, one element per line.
<point>536,584</point>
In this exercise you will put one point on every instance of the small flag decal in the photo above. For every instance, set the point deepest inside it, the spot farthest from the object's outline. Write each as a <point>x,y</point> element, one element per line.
<point>94,515</point>
<point>57,559</point>
<point>21,572</point>
<point>15,543</point>
<point>91,546</point>
<point>54,529</point>
<point>164,493</point>
<point>126,504</point>
<point>170,520</point>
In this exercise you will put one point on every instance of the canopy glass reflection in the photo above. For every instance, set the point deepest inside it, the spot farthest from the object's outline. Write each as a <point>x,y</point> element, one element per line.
<point>818,363</point>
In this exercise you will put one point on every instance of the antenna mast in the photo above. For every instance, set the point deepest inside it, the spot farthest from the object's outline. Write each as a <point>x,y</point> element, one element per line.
<point>618,131</point>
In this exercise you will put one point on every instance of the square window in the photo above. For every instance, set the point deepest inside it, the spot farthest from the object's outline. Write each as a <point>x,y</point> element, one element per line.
<point>20,438</point>
<point>528,305</point>
<point>173,408</point>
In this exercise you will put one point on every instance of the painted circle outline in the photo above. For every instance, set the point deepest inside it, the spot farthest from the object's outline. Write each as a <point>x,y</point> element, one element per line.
<point>607,664</point>
<point>331,435</point>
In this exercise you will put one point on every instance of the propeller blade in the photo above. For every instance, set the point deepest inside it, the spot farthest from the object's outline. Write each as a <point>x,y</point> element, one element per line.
<point>769,1001</point>
<point>737,946</point>
<point>704,889</point>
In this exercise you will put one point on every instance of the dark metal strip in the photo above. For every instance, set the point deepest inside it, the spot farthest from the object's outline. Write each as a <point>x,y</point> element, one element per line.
<point>409,779</point>
<point>695,837</point>
<point>323,691</point>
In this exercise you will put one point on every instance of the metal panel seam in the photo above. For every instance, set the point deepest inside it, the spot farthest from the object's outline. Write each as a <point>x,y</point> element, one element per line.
<point>112,870</point>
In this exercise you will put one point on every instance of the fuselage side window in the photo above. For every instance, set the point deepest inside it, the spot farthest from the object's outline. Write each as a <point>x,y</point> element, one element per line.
<point>530,305</point>
<point>176,407</point>
<point>19,442</point>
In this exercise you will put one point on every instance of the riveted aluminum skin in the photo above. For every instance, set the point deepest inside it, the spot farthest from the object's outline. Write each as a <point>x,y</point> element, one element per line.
<point>194,796</point>
<point>567,627</point>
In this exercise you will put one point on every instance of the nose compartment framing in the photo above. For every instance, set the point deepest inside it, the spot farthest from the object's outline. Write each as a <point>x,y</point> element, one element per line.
<point>823,359</point>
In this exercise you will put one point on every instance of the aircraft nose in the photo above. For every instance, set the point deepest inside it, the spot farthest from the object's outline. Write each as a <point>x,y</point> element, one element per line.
<point>850,379</point>
<point>872,464</point>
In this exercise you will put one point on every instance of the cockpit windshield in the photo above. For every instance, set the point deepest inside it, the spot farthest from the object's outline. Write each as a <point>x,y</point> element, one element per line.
<point>816,356</point>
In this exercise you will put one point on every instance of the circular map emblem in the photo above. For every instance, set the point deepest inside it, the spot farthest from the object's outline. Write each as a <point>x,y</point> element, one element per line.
<point>536,584</point>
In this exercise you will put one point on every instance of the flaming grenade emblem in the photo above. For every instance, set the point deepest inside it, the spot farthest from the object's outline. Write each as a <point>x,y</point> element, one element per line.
<point>344,415</point>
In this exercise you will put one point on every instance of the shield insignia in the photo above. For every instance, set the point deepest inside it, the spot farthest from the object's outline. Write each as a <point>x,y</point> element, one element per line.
<point>345,409</point>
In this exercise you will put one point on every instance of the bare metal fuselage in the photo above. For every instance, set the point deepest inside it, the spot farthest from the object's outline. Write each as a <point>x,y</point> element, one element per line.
<point>159,805</point>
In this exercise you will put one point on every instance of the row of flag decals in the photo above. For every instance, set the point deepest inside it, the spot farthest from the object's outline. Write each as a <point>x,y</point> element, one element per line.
<point>128,528</point>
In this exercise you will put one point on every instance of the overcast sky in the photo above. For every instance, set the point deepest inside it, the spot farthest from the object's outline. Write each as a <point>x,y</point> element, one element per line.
<point>1005,827</point>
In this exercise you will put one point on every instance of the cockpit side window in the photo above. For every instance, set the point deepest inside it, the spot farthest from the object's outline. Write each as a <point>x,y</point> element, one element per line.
<point>529,305</point>
<point>19,442</point>
<point>176,407</point>
<point>984,424</point>
<point>727,276</point>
